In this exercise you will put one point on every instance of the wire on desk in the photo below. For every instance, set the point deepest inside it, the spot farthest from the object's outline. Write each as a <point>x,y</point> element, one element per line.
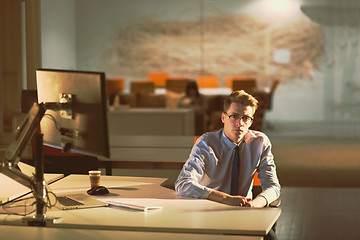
<point>10,204</point>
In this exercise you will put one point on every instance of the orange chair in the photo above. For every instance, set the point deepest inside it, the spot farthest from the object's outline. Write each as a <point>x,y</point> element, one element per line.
<point>229,80</point>
<point>245,83</point>
<point>142,87</point>
<point>114,85</point>
<point>177,85</point>
<point>159,78</point>
<point>248,84</point>
<point>207,81</point>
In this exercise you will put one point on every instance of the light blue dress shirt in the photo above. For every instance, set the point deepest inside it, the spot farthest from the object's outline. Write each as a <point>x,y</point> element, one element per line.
<point>209,166</point>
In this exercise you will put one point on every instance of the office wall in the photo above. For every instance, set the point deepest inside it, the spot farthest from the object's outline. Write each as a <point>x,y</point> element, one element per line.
<point>316,60</point>
<point>10,55</point>
<point>340,66</point>
<point>58,34</point>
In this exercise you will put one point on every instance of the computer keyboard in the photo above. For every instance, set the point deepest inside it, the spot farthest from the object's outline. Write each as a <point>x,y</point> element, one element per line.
<point>131,206</point>
<point>66,201</point>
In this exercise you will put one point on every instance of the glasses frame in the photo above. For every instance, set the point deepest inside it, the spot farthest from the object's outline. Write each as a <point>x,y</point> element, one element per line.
<point>237,117</point>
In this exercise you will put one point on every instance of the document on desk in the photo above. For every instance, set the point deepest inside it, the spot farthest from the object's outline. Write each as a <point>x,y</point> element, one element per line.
<point>139,204</point>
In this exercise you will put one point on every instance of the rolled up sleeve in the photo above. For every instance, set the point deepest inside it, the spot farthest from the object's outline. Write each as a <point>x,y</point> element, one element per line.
<point>267,174</point>
<point>188,182</point>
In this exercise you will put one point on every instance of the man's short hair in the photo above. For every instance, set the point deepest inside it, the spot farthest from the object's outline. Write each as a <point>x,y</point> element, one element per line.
<point>241,97</point>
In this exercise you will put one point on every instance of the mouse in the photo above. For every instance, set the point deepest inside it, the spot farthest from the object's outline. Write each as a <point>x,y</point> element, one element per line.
<point>98,190</point>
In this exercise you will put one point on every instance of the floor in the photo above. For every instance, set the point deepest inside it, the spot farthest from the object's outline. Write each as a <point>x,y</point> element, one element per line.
<point>319,172</point>
<point>319,213</point>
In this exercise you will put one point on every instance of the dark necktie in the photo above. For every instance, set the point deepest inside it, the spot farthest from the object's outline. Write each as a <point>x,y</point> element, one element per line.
<point>235,172</point>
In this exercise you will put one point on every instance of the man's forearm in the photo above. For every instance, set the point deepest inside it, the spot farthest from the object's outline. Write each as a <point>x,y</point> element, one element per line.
<point>227,199</point>
<point>239,201</point>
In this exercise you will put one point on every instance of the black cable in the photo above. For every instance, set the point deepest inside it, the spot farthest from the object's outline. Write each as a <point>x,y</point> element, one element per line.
<point>48,204</point>
<point>57,125</point>
<point>5,208</point>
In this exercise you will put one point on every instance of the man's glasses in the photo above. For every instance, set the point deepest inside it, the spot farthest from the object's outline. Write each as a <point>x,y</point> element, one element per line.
<point>244,118</point>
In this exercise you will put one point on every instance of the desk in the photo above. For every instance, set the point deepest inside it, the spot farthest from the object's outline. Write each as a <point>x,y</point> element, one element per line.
<point>37,233</point>
<point>178,215</point>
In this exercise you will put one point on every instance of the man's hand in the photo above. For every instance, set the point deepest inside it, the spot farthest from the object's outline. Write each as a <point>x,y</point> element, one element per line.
<point>227,199</point>
<point>238,201</point>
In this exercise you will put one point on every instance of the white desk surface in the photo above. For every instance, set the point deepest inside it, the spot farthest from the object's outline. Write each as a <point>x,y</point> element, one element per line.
<point>176,216</point>
<point>39,233</point>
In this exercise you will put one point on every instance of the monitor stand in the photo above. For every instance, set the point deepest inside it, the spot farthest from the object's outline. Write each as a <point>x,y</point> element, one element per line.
<point>40,191</point>
<point>8,163</point>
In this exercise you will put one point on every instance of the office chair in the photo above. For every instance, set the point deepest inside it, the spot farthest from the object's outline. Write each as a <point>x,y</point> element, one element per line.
<point>158,78</point>
<point>177,85</point>
<point>207,81</point>
<point>274,84</point>
<point>259,116</point>
<point>113,87</point>
<point>142,87</point>
<point>248,84</point>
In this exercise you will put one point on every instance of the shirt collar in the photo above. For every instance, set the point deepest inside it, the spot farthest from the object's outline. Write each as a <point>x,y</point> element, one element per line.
<point>229,143</point>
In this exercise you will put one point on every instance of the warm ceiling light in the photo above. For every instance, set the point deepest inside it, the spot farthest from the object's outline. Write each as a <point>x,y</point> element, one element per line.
<point>275,9</point>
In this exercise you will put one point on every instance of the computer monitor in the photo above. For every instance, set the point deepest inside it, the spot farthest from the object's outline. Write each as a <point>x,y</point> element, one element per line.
<point>71,111</point>
<point>83,128</point>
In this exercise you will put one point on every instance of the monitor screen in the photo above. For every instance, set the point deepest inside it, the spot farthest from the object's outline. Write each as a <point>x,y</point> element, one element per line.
<point>84,128</point>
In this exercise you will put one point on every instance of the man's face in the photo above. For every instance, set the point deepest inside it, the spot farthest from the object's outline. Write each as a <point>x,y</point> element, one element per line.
<point>237,121</point>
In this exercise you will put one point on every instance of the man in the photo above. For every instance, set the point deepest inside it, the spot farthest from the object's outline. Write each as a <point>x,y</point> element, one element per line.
<point>209,171</point>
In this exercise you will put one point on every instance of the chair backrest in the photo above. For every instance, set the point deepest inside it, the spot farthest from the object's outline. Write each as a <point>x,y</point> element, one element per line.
<point>142,87</point>
<point>177,85</point>
<point>256,180</point>
<point>114,85</point>
<point>229,80</point>
<point>275,83</point>
<point>208,81</point>
<point>246,84</point>
<point>159,78</point>
<point>259,116</point>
